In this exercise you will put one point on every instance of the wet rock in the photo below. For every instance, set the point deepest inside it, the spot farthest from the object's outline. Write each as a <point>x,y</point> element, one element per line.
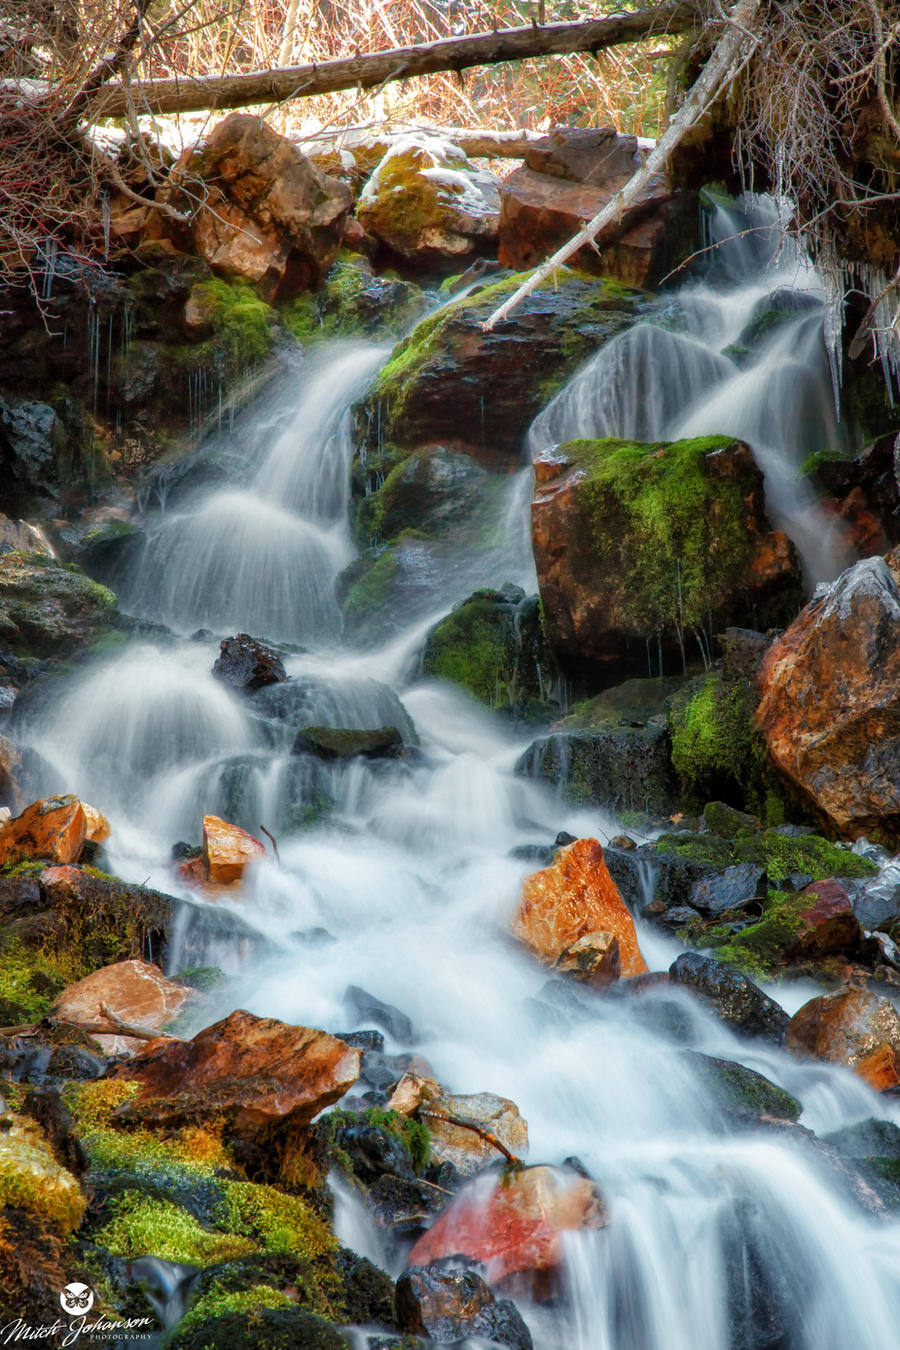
<point>31,440</point>
<point>270,214</point>
<point>265,1328</point>
<point>227,851</point>
<point>54,828</point>
<point>451,383</point>
<point>593,959</point>
<point>573,897</point>
<point>374,1152</point>
<point>854,1027</point>
<point>355,302</point>
<point>466,1150</point>
<point>356,704</point>
<point>19,536</point>
<point>733,997</point>
<point>726,822</point>
<point>646,877</point>
<point>587,522</point>
<point>741,1089</point>
<point>45,1106</point>
<point>338,743</point>
<point>622,841</point>
<point>455,1305</point>
<point>430,491</point>
<point>867,1139</point>
<point>368,1008</point>
<point>513,1225</point>
<point>247,664</point>
<point>734,888</point>
<point>50,610</point>
<point>256,1070</point>
<point>425,200</point>
<point>566,179</point>
<point>828,925</point>
<point>829,701</point>
<point>492,645</point>
<point>134,992</point>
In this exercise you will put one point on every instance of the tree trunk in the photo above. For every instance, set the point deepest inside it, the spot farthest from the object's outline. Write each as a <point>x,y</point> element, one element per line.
<point>401,63</point>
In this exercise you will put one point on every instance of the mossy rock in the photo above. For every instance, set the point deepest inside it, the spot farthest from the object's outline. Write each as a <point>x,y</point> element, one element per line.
<point>781,854</point>
<point>258,1326</point>
<point>354,302</point>
<point>652,548</point>
<point>32,1179</point>
<point>50,609</point>
<point>492,645</point>
<point>718,754</point>
<point>736,1087</point>
<point>429,491</point>
<point>451,382</point>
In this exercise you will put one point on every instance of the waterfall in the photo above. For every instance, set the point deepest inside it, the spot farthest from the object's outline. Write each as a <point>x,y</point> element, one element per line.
<point>717,1238</point>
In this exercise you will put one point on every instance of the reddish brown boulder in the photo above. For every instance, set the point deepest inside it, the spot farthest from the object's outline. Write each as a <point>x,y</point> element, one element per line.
<point>254,1071</point>
<point>513,1225</point>
<point>829,927</point>
<point>135,992</point>
<point>227,851</point>
<point>830,704</point>
<point>270,214</point>
<point>53,828</point>
<point>854,1027</point>
<point>638,542</point>
<point>572,898</point>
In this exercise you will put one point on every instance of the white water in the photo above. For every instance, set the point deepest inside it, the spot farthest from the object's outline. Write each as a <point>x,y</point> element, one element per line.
<point>413,879</point>
<point>673,377</point>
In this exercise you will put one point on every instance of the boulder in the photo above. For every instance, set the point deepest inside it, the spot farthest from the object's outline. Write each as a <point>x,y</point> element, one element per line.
<point>513,1225</point>
<point>454,1305</point>
<point>50,610</point>
<point>732,889</point>
<point>740,1089</point>
<point>451,383</point>
<point>574,897</point>
<point>18,536</point>
<point>32,437</point>
<point>854,1027</point>
<point>828,925</point>
<point>247,664</point>
<point>431,491</point>
<point>678,533</point>
<point>568,177</point>
<point>270,214</point>
<point>54,828</point>
<point>134,992</point>
<point>255,1071</point>
<point>339,743</point>
<point>465,1149</point>
<point>731,996</point>
<point>426,201</point>
<point>228,851</point>
<point>830,701</point>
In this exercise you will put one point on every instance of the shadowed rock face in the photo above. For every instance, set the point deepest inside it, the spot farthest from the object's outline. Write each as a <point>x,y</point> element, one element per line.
<point>830,705</point>
<point>256,1069</point>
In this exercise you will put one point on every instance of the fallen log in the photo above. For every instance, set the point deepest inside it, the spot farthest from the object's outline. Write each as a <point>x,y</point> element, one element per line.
<point>211,92</point>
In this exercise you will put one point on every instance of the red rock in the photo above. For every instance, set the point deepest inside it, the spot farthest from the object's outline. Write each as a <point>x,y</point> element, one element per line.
<point>227,850</point>
<point>880,1068</point>
<point>192,872</point>
<point>254,1071</point>
<point>53,828</point>
<point>573,897</point>
<point>830,702</point>
<point>513,1225</point>
<point>829,927</point>
<point>134,991</point>
<point>852,1026</point>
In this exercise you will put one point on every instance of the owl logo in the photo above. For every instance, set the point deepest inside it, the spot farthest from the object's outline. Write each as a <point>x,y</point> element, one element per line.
<point>77,1298</point>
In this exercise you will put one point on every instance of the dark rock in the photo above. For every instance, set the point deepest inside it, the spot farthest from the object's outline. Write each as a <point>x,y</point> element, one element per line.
<point>430,491</point>
<point>48,610</point>
<point>742,650</point>
<point>867,1139</point>
<point>31,440</point>
<point>403,1205</point>
<point>676,916</point>
<point>726,822</point>
<point>734,998</point>
<point>618,768</point>
<point>247,664</point>
<point>46,1106</point>
<point>563,839</point>
<point>738,1088</point>
<point>734,888</point>
<point>828,926</point>
<point>374,1152</point>
<point>452,1305</point>
<point>622,841</point>
<point>265,1329</point>
<point>337,743</point>
<point>368,1008</point>
<point>644,876</point>
<point>797,881</point>
<point>363,1040</point>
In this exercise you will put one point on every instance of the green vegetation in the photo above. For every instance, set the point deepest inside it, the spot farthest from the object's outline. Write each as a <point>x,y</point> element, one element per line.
<point>476,647</point>
<point>141,1225</point>
<point>760,950</point>
<point>782,855</point>
<point>412,1134</point>
<point>241,321</point>
<point>32,1179</point>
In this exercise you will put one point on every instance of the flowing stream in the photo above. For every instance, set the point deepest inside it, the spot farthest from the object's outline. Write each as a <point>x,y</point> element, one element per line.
<point>715,1237</point>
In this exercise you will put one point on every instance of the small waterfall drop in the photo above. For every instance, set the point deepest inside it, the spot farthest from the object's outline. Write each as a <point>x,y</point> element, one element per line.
<point>740,353</point>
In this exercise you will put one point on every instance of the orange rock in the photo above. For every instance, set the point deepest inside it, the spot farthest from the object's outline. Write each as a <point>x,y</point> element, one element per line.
<point>573,897</point>
<point>593,959</point>
<point>97,824</point>
<point>54,828</point>
<point>255,1071</point>
<point>514,1224</point>
<point>134,991</point>
<point>852,1026</point>
<point>227,850</point>
<point>880,1068</point>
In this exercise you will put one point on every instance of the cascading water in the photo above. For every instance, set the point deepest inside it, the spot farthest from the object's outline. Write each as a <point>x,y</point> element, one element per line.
<point>717,1238</point>
<point>740,353</point>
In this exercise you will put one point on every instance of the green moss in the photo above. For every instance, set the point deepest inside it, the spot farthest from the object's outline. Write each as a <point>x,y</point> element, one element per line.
<point>760,950</point>
<point>276,1222</point>
<point>241,320</point>
<point>140,1225</point>
<point>32,1179</point>
<point>782,855</point>
<point>372,591</point>
<point>475,647</point>
<point>733,1084</point>
<point>815,460</point>
<point>31,980</point>
<point>412,1134</point>
<point>243,1303</point>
